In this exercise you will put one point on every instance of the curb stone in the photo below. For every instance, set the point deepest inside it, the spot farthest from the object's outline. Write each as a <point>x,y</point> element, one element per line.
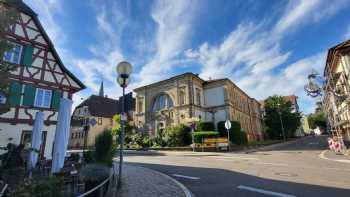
<point>186,191</point>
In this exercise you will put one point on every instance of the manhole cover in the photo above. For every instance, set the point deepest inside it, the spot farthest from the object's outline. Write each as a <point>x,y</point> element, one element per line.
<point>286,174</point>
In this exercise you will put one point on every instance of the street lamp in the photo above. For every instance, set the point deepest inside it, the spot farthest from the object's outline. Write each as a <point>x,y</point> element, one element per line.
<point>124,70</point>
<point>279,113</point>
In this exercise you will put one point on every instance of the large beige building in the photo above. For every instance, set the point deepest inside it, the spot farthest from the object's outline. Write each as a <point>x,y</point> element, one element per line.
<point>336,98</point>
<point>183,98</point>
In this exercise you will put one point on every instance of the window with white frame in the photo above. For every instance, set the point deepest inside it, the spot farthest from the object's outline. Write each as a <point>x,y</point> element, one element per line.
<point>43,98</point>
<point>14,55</point>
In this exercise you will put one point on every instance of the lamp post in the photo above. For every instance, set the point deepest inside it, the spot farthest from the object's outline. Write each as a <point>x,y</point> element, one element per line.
<point>124,70</point>
<point>280,115</point>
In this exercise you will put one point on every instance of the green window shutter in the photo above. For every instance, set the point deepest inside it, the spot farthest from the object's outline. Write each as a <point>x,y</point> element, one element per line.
<point>15,94</point>
<point>29,95</point>
<point>28,55</point>
<point>56,96</point>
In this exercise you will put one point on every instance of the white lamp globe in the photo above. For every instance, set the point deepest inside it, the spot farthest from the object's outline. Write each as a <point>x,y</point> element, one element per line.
<point>124,68</point>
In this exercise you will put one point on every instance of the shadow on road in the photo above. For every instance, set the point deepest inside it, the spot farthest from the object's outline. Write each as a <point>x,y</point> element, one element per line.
<point>221,183</point>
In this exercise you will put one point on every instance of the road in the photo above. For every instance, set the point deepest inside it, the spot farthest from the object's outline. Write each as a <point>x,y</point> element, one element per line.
<point>288,170</point>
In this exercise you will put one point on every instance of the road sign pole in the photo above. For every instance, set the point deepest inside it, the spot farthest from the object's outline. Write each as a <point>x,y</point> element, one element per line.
<point>228,138</point>
<point>228,127</point>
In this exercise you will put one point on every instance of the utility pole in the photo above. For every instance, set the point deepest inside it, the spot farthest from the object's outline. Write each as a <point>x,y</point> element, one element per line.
<point>280,115</point>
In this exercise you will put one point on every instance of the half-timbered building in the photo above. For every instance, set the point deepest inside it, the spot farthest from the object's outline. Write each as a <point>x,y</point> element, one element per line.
<point>37,84</point>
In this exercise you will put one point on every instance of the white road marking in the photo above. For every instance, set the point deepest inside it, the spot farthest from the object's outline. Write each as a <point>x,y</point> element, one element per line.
<point>264,191</point>
<point>243,158</point>
<point>186,177</point>
<point>273,164</point>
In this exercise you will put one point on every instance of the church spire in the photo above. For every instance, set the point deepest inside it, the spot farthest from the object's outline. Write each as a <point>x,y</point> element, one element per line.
<point>101,92</point>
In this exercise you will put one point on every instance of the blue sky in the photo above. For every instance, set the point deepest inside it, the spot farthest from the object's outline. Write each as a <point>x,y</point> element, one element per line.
<point>265,47</point>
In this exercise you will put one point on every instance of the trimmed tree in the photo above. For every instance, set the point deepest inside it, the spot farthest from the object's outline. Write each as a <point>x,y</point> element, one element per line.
<point>237,136</point>
<point>274,106</point>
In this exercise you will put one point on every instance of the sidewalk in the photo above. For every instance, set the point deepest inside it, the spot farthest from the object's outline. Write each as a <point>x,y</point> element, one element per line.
<point>144,182</point>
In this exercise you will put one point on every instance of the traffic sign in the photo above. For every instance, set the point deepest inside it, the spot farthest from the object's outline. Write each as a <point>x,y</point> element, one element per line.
<point>228,124</point>
<point>92,122</point>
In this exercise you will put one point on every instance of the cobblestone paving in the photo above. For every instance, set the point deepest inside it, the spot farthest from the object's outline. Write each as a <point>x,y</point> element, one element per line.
<point>142,182</point>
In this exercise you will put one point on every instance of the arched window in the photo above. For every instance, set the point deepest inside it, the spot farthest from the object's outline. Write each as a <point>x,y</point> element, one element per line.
<point>162,102</point>
<point>182,97</point>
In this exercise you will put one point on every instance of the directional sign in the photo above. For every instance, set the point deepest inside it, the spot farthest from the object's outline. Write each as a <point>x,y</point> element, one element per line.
<point>228,124</point>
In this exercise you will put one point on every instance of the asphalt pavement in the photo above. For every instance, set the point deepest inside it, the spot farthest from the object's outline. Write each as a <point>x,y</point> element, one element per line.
<point>287,170</point>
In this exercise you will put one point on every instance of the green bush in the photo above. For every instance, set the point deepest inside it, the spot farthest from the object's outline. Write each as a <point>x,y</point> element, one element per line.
<point>205,126</point>
<point>236,135</point>
<point>104,147</point>
<point>74,157</point>
<point>94,173</point>
<point>89,156</point>
<point>177,136</point>
<point>44,186</point>
<point>199,135</point>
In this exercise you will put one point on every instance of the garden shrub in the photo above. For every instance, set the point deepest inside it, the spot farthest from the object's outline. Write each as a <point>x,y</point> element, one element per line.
<point>89,156</point>
<point>205,126</point>
<point>177,136</point>
<point>104,147</point>
<point>51,186</point>
<point>199,135</point>
<point>94,173</point>
<point>74,157</point>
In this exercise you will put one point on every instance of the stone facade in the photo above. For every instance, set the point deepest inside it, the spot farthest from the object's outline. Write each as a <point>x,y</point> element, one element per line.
<point>185,97</point>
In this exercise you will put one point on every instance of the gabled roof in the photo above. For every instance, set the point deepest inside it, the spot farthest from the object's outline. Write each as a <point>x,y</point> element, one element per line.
<point>101,106</point>
<point>22,7</point>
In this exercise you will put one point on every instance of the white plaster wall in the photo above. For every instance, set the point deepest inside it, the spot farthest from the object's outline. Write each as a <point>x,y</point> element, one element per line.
<point>9,114</point>
<point>214,96</point>
<point>220,115</point>
<point>15,131</point>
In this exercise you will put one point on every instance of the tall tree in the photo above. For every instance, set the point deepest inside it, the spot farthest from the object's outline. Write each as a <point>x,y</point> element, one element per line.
<point>277,108</point>
<point>317,120</point>
<point>8,16</point>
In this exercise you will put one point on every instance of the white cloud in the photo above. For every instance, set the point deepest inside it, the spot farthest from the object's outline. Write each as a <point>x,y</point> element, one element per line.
<point>251,55</point>
<point>47,12</point>
<point>295,13</point>
<point>173,20</point>
<point>301,12</point>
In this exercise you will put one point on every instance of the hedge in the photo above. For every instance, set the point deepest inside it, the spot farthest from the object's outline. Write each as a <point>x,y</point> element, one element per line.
<point>205,126</point>
<point>237,136</point>
<point>199,135</point>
